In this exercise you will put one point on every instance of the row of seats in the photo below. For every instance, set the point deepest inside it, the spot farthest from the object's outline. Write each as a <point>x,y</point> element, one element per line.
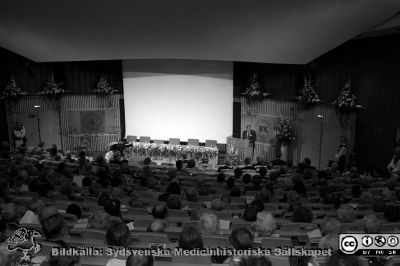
<point>172,141</point>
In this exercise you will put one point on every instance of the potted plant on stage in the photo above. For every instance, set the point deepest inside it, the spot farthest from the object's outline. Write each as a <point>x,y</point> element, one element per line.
<point>12,91</point>
<point>284,134</point>
<point>52,89</point>
<point>308,97</point>
<point>255,91</point>
<point>346,101</point>
<point>105,88</point>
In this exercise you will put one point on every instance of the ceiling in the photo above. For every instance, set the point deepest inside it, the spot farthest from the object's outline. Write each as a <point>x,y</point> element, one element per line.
<point>292,32</point>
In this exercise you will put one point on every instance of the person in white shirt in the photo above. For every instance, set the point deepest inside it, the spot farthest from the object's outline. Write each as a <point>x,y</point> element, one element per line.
<point>394,165</point>
<point>110,155</point>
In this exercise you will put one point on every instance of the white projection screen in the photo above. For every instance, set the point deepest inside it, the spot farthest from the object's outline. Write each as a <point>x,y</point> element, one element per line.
<point>186,99</point>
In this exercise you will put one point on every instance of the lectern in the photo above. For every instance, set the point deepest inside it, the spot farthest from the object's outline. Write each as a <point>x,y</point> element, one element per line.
<point>242,145</point>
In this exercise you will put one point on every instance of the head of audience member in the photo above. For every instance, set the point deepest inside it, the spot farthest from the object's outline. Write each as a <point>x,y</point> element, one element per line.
<point>113,207</point>
<point>217,204</point>
<point>264,195</point>
<point>230,182</point>
<point>273,176</point>
<point>147,161</point>
<point>195,213</point>
<point>226,198</point>
<point>208,223</point>
<point>367,198</point>
<point>265,223</point>
<point>235,192</point>
<point>263,172</point>
<point>346,214</point>
<point>371,224</point>
<point>179,164</point>
<point>63,260</point>
<point>330,226</point>
<point>192,194</point>
<point>241,239</point>
<point>45,189</point>
<point>392,213</point>
<point>174,202</point>
<point>99,220</point>
<point>190,238</point>
<point>118,235</point>
<point>171,173</point>
<point>247,161</point>
<point>302,214</point>
<point>259,204</point>
<point>53,225</point>
<point>191,163</point>
<point>160,211</point>
<point>86,182</point>
<point>95,189</point>
<point>157,226</point>
<point>174,188</point>
<point>221,177</point>
<point>75,210</point>
<point>254,261</point>
<point>135,260</point>
<point>238,172</point>
<point>250,214</point>
<point>293,199</point>
<point>36,206</point>
<point>307,162</point>
<point>246,178</point>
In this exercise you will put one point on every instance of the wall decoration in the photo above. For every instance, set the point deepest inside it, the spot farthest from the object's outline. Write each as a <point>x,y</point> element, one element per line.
<point>346,101</point>
<point>308,97</point>
<point>92,121</point>
<point>52,89</point>
<point>12,91</point>
<point>255,91</point>
<point>103,87</point>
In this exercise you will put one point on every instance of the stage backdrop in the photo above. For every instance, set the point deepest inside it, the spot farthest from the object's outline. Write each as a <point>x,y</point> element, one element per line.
<point>73,121</point>
<point>317,130</point>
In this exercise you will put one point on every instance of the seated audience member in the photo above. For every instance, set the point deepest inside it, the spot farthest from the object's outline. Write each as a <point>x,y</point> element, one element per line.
<point>63,260</point>
<point>235,192</point>
<point>298,185</point>
<point>174,188</point>
<point>191,165</point>
<point>264,195</point>
<point>157,226</point>
<point>265,224</point>
<point>190,238</point>
<point>230,182</point>
<point>246,179</point>
<point>330,230</point>
<point>259,162</point>
<point>217,204</point>
<point>391,214</point>
<point>86,182</point>
<point>302,214</point>
<point>40,148</point>
<point>75,210</point>
<point>371,224</point>
<point>113,207</point>
<point>99,220</point>
<point>160,211</point>
<point>52,150</point>
<point>196,212</point>
<point>118,235</point>
<point>293,199</point>
<point>259,205</point>
<point>278,161</point>
<point>238,172</point>
<point>192,194</point>
<point>208,223</point>
<point>174,202</point>
<point>346,214</point>
<point>221,178</point>
<point>394,164</point>
<point>255,261</point>
<point>68,157</point>
<point>273,176</point>
<point>110,154</point>
<point>250,214</point>
<point>367,198</point>
<point>241,239</point>
<point>226,198</point>
<point>263,172</point>
<point>53,225</point>
<point>226,166</point>
<point>247,164</point>
<point>135,260</point>
<point>179,167</point>
<point>307,164</point>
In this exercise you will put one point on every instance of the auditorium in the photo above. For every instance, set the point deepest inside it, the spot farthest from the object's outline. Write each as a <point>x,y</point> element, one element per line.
<point>199,133</point>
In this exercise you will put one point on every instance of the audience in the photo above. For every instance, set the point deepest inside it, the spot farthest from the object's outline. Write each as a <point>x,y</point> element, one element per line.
<point>190,238</point>
<point>118,235</point>
<point>265,224</point>
<point>208,223</point>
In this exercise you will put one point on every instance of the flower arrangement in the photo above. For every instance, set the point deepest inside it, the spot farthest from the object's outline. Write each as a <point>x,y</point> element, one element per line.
<point>346,101</point>
<point>308,96</point>
<point>284,131</point>
<point>103,87</point>
<point>255,91</point>
<point>52,89</point>
<point>168,150</point>
<point>12,91</point>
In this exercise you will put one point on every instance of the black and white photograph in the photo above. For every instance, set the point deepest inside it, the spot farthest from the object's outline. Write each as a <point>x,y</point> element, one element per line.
<point>199,133</point>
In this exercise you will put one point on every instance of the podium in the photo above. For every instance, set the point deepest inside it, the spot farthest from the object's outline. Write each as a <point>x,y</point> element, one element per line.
<point>243,147</point>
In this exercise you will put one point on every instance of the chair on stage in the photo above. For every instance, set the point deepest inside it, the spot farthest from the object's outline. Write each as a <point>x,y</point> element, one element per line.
<point>144,139</point>
<point>211,143</point>
<point>158,141</point>
<point>174,141</point>
<point>131,138</point>
<point>193,142</point>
